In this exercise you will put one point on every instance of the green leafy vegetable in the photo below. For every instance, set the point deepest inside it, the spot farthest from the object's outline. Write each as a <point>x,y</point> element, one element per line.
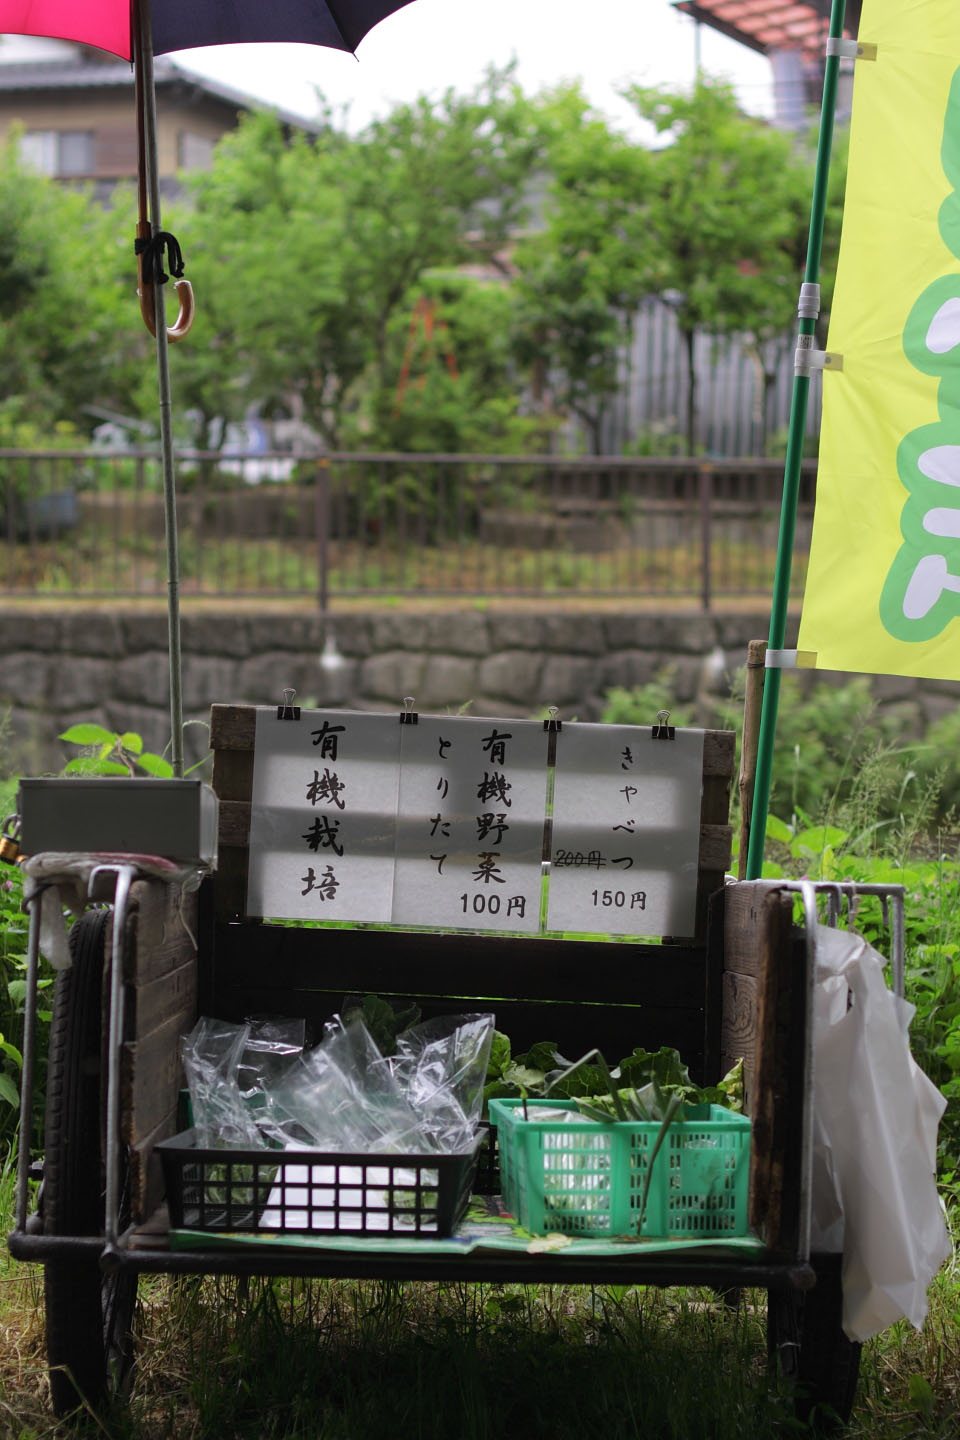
<point>384,1020</point>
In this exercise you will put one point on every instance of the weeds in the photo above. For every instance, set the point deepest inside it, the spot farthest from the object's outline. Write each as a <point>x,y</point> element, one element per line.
<point>327,1359</point>
<point>262,1358</point>
<point>367,1361</point>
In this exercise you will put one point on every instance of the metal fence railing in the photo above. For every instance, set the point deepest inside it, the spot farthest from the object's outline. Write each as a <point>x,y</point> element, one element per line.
<point>82,523</point>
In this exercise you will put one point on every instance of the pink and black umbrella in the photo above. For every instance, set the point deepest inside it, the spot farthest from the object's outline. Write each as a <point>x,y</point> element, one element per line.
<point>137,30</point>
<point>183,24</point>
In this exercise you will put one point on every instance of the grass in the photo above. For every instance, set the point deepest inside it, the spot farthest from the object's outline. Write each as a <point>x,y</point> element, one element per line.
<point>344,1360</point>
<point>351,1361</point>
<point>377,1360</point>
<point>90,562</point>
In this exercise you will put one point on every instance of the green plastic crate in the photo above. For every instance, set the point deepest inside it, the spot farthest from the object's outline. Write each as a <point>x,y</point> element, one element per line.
<point>585,1178</point>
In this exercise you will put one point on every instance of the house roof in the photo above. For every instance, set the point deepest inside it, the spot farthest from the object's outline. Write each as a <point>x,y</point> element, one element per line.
<point>768,25</point>
<point>57,75</point>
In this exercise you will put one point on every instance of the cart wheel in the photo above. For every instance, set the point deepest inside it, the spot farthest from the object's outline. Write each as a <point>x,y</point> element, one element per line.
<point>88,1314</point>
<point>807,1347</point>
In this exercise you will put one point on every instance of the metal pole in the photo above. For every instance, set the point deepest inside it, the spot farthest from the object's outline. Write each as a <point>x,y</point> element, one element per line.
<point>28,1051</point>
<point>706,531</point>
<point>322,536</point>
<point>808,892</point>
<point>125,875</point>
<point>752,702</point>
<point>794,461</point>
<point>143,58</point>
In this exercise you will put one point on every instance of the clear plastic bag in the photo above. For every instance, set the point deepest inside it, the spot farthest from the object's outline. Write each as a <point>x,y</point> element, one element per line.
<point>272,1046</point>
<point>440,1066</point>
<point>342,1097</point>
<point>255,1085</point>
<point>211,1056</point>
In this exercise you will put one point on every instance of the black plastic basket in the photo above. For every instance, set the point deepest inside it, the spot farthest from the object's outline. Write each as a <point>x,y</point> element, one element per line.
<point>487,1180</point>
<point>314,1192</point>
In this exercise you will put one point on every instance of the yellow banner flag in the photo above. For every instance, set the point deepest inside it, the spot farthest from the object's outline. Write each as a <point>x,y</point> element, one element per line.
<point>883,582</point>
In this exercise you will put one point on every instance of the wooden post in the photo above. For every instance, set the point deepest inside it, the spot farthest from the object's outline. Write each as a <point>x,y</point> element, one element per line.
<point>752,702</point>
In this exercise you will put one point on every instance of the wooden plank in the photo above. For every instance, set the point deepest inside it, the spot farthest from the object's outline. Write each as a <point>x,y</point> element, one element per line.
<point>713,988</point>
<point>764,955</point>
<point>747,925</point>
<point>173,994</point>
<point>233,774</point>
<point>575,1028</point>
<point>715,805</point>
<point>715,843</point>
<point>160,977</point>
<point>146,1174</point>
<point>163,931</point>
<point>719,751</point>
<point>235,823</point>
<point>779,1095</point>
<point>233,727</point>
<point>739,1029</point>
<point>150,1076</point>
<point>381,961</point>
<point>230,893</point>
<point>640,994</point>
<point>232,730</point>
<point>232,733</point>
<point>153,1232</point>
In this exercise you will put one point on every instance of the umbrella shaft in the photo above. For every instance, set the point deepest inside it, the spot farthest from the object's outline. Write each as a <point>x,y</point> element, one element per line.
<point>147,124</point>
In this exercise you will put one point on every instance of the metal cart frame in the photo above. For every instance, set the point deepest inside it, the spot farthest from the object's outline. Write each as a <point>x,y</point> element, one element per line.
<point>752,968</point>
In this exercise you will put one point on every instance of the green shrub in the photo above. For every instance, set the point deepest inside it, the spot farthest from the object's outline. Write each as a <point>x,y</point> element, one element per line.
<point>839,756</point>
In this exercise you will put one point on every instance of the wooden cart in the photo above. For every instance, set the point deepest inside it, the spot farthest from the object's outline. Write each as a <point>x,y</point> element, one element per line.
<point>739,987</point>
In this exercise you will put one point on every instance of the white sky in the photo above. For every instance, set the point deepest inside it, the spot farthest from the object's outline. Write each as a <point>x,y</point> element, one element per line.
<point>435,44</point>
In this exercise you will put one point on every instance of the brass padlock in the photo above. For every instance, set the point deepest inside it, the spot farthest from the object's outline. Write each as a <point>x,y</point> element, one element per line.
<point>9,842</point>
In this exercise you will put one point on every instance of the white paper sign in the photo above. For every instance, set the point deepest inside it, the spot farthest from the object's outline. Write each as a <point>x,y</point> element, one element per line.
<point>470,827</point>
<point>323,815</point>
<point>626,831</point>
<point>440,824</point>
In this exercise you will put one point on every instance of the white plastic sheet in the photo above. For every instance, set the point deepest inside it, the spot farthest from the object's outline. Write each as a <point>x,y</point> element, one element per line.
<point>875,1141</point>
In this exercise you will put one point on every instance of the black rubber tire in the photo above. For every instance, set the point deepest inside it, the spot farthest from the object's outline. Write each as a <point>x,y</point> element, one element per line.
<point>89,1314</point>
<point>806,1347</point>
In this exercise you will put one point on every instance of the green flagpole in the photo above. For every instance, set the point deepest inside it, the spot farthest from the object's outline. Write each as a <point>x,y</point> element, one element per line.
<point>809,307</point>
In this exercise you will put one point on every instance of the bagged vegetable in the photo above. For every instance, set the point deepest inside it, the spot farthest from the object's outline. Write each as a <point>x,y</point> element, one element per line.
<point>255,1085</point>
<point>441,1066</point>
<point>211,1056</point>
<point>341,1096</point>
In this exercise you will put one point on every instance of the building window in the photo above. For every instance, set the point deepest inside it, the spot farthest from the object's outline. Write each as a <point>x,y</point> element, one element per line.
<point>194,152</point>
<point>58,152</point>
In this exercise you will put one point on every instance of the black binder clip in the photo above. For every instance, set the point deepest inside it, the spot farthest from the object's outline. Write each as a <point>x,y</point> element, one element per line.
<point>408,716</point>
<point>287,710</point>
<point>663,731</point>
<point>552,725</point>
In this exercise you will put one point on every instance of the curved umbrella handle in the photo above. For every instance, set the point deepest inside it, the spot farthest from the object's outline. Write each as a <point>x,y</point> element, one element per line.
<point>187,307</point>
<point>185,315</point>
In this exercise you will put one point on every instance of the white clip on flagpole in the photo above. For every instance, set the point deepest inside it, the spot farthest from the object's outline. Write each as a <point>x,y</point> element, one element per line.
<point>845,49</point>
<point>790,660</point>
<point>806,360</point>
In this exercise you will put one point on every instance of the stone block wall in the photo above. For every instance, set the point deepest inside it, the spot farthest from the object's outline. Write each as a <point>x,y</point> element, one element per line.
<point>111,667</point>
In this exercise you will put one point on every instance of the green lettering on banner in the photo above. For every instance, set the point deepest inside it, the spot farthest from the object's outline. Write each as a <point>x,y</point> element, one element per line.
<point>921,594</point>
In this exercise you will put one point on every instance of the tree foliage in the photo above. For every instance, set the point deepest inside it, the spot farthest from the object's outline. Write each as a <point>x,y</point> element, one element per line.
<point>727,206</point>
<point>582,277</point>
<point>310,252</point>
<point>61,324</point>
<point>528,230</point>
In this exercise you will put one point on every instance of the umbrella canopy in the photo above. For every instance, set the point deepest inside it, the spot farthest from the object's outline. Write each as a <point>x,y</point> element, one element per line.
<point>137,30</point>
<point>184,24</point>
